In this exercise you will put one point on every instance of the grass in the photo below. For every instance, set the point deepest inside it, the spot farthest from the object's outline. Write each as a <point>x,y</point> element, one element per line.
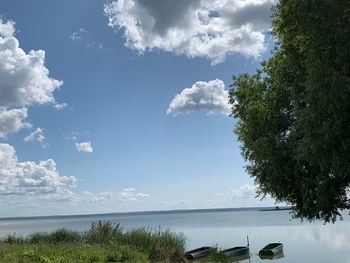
<point>103,242</point>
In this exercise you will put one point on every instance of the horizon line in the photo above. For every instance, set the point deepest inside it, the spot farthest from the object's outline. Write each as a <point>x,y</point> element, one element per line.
<point>145,212</point>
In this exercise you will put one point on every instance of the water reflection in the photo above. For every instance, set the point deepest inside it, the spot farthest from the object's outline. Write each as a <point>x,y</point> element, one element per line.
<point>303,242</point>
<point>237,259</point>
<point>272,256</point>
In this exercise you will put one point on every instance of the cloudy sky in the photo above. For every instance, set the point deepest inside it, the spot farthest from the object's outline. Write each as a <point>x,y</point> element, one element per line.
<point>122,105</point>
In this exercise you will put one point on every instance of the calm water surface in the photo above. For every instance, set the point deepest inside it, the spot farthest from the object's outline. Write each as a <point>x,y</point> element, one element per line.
<point>303,242</point>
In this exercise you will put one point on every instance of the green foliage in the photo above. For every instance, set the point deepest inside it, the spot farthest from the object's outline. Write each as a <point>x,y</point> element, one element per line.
<point>13,239</point>
<point>125,254</point>
<point>72,253</point>
<point>103,242</point>
<point>102,232</point>
<point>58,236</point>
<point>294,113</point>
<point>162,246</point>
<point>218,256</point>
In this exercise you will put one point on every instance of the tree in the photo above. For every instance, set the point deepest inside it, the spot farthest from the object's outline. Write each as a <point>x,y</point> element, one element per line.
<point>294,113</point>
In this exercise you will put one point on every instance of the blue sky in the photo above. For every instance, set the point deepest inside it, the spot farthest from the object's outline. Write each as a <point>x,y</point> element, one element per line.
<point>125,108</point>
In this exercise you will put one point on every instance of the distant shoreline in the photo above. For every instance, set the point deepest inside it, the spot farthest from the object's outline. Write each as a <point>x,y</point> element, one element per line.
<point>207,210</point>
<point>276,209</point>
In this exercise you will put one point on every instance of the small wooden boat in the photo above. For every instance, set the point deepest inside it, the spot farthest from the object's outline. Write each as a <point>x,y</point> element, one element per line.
<point>237,251</point>
<point>271,249</point>
<point>272,256</point>
<point>201,252</point>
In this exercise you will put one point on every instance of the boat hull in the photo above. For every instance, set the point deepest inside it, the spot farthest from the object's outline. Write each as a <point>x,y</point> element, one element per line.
<point>273,256</point>
<point>271,250</point>
<point>236,251</point>
<point>199,253</point>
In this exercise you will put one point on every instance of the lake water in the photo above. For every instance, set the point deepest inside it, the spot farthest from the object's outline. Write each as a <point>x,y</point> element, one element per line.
<point>303,242</point>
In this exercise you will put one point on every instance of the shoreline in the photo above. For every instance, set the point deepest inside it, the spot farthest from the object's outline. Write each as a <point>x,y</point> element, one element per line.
<point>153,212</point>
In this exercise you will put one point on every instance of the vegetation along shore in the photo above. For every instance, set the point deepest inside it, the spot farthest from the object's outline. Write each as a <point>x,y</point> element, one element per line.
<point>103,242</point>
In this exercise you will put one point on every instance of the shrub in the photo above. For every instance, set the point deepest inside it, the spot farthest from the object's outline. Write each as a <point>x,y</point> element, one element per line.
<point>58,236</point>
<point>13,239</point>
<point>162,246</point>
<point>103,242</point>
<point>126,254</point>
<point>103,232</point>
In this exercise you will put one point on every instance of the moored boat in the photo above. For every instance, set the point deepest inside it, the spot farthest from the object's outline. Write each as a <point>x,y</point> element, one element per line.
<point>272,256</point>
<point>271,249</point>
<point>201,252</point>
<point>237,251</point>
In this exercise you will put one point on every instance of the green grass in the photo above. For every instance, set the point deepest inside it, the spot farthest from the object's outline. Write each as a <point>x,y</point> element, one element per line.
<point>103,242</point>
<point>69,253</point>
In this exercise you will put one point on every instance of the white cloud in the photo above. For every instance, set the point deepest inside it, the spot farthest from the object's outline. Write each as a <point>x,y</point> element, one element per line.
<point>73,136</point>
<point>130,194</point>
<point>84,147</point>
<point>197,28</point>
<point>12,121</point>
<point>244,192</point>
<point>89,197</point>
<point>78,35</point>
<point>37,135</point>
<point>88,41</point>
<point>29,178</point>
<point>24,81</point>
<point>60,106</point>
<point>7,28</point>
<point>210,96</point>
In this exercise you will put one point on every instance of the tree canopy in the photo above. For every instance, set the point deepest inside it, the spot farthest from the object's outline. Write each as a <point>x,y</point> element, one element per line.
<point>294,113</point>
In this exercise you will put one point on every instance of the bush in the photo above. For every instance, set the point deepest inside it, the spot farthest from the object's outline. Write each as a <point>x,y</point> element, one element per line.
<point>103,232</point>
<point>58,236</point>
<point>13,239</point>
<point>162,246</point>
<point>126,254</point>
<point>103,242</point>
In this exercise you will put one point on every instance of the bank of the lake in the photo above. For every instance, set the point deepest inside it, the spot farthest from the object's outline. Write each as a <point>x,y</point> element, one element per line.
<point>103,242</point>
<point>303,241</point>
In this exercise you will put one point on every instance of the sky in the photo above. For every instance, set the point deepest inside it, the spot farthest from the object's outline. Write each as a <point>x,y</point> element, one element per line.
<point>114,106</point>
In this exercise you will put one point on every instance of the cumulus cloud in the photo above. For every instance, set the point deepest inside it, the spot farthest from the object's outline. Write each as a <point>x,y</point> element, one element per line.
<point>78,35</point>
<point>130,194</point>
<point>30,178</point>
<point>244,192</point>
<point>197,28</point>
<point>7,28</point>
<point>210,96</point>
<point>84,147</point>
<point>24,80</point>
<point>12,121</point>
<point>37,135</point>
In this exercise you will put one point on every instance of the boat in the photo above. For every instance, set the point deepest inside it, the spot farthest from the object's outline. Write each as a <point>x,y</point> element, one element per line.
<point>201,252</point>
<point>237,251</point>
<point>271,249</point>
<point>272,256</point>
